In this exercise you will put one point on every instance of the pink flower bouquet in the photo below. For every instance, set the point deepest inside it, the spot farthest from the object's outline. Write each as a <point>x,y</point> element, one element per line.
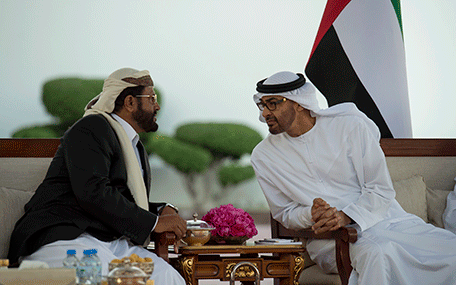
<point>230,221</point>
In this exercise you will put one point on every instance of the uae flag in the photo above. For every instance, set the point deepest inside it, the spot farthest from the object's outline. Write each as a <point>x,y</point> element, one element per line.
<point>358,56</point>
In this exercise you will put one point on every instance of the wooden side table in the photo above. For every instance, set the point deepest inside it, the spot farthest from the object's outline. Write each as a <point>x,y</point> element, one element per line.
<point>283,262</point>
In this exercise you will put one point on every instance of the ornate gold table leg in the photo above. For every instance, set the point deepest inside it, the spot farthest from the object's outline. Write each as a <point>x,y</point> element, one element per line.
<point>298,267</point>
<point>187,269</point>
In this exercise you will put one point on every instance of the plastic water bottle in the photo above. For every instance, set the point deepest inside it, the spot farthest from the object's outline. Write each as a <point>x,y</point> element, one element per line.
<point>71,261</point>
<point>84,271</point>
<point>96,267</point>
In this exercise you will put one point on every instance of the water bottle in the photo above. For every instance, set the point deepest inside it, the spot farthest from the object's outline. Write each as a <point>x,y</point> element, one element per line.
<point>96,267</point>
<point>71,261</point>
<point>84,271</point>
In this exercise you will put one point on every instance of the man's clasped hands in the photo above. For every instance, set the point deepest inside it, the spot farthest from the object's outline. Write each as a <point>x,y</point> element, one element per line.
<point>327,218</point>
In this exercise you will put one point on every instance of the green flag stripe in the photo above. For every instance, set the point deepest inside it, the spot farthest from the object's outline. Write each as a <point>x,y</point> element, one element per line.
<point>397,9</point>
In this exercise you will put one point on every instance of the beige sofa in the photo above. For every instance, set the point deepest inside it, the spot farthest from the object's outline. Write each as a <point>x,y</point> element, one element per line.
<point>23,165</point>
<point>423,172</point>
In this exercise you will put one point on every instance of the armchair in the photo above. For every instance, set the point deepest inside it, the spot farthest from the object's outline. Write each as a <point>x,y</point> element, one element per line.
<point>343,237</point>
<point>161,243</point>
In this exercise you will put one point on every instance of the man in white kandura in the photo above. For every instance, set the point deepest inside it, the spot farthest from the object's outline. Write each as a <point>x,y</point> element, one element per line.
<point>324,168</point>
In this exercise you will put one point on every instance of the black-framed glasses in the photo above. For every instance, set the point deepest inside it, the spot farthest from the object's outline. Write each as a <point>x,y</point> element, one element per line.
<point>270,104</point>
<point>152,98</point>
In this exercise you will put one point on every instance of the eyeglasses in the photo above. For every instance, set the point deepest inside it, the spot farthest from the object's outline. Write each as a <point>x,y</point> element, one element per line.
<point>152,98</point>
<point>271,105</point>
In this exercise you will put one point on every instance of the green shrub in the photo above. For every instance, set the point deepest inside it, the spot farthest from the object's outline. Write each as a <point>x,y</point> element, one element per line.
<point>65,98</point>
<point>184,157</point>
<point>37,132</point>
<point>222,139</point>
<point>234,174</point>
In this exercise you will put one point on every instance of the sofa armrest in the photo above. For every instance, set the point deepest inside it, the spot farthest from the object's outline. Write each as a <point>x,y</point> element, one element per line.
<point>162,241</point>
<point>346,234</point>
<point>343,237</point>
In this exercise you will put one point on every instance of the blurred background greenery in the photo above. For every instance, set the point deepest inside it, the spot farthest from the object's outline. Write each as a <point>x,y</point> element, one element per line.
<point>210,157</point>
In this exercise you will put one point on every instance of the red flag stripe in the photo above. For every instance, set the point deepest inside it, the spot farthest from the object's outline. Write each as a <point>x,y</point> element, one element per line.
<point>332,11</point>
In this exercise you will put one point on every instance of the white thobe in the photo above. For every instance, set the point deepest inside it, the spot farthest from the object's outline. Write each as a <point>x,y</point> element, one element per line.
<point>55,252</point>
<point>340,161</point>
<point>449,215</point>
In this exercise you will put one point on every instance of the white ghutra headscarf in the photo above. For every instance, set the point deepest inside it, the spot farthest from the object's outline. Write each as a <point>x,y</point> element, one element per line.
<point>294,87</point>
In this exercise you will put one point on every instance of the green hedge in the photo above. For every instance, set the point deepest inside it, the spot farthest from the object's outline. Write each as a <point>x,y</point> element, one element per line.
<point>234,174</point>
<point>65,98</point>
<point>37,132</point>
<point>222,139</point>
<point>184,157</point>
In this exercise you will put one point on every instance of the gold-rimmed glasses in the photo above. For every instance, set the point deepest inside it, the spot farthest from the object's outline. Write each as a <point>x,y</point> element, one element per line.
<point>152,98</point>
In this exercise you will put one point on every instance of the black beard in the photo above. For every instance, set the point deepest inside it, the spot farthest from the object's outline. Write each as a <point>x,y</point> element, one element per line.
<point>145,119</point>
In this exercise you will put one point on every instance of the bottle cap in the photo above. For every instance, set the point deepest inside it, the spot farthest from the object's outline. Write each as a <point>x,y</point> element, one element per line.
<point>71,251</point>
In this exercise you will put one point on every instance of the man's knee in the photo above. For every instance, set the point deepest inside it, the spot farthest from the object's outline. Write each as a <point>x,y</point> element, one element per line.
<point>366,253</point>
<point>323,253</point>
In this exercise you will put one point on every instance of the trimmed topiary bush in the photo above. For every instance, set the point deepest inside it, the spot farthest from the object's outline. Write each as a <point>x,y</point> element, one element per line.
<point>190,149</point>
<point>65,98</point>
<point>184,157</point>
<point>222,139</point>
<point>37,132</point>
<point>233,174</point>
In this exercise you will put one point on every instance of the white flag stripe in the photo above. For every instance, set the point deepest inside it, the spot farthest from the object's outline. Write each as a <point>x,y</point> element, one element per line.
<point>370,34</point>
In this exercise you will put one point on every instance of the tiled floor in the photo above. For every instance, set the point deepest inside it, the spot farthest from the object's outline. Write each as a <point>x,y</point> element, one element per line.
<point>264,231</point>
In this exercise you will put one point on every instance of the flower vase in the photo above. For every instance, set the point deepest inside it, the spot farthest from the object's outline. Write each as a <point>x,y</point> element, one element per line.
<point>232,225</point>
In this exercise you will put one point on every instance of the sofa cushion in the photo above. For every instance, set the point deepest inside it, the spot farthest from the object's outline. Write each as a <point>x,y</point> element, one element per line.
<point>315,275</point>
<point>436,201</point>
<point>23,173</point>
<point>11,209</point>
<point>307,260</point>
<point>411,195</point>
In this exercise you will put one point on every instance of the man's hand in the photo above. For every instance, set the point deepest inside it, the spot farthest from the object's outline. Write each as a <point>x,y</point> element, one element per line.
<point>320,209</point>
<point>171,223</point>
<point>327,218</point>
